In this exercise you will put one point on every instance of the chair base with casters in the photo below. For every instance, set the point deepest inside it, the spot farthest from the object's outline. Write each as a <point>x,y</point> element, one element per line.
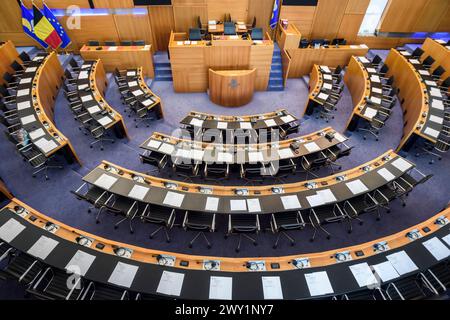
<point>197,235</point>
<point>45,168</point>
<point>428,150</point>
<point>373,132</point>
<point>162,217</point>
<point>242,225</point>
<point>101,140</point>
<point>286,235</point>
<point>240,235</point>
<point>199,222</point>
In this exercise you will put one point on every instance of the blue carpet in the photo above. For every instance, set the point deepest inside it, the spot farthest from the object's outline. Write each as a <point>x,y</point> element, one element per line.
<point>54,199</point>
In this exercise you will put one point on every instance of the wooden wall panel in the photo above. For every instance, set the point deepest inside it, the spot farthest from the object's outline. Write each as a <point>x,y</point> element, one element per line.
<point>162,22</point>
<point>260,59</point>
<point>185,16</point>
<point>114,3</point>
<point>262,10</point>
<point>301,16</point>
<point>430,18</point>
<point>238,9</point>
<point>401,15</point>
<point>349,27</point>
<point>10,14</point>
<point>133,27</point>
<point>327,20</point>
<point>57,4</point>
<point>444,24</point>
<point>357,6</point>
<point>188,2</point>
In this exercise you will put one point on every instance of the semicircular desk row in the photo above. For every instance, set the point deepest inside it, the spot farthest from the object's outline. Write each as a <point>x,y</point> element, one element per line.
<point>205,152</point>
<point>35,94</point>
<point>366,181</point>
<point>161,274</point>
<point>281,120</point>
<point>91,85</point>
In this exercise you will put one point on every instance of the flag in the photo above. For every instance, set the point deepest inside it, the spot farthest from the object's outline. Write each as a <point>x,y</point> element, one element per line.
<point>58,27</point>
<point>44,30</point>
<point>27,24</point>
<point>275,13</point>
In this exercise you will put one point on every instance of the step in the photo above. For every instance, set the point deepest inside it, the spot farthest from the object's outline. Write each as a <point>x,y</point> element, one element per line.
<point>275,88</point>
<point>275,78</point>
<point>163,72</point>
<point>276,70</point>
<point>161,65</point>
<point>163,78</point>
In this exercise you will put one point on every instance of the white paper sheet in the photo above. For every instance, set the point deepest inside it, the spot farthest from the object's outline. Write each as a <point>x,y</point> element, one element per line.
<point>225,157</point>
<point>431,83</point>
<point>245,125</point>
<point>196,122</point>
<point>437,248</point>
<point>285,153</point>
<point>312,147</point>
<point>154,144</point>
<point>80,263</point>
<point>315,200</point>
<point>327,86</point>
<point>131,73</point>
<point>431,132</point>
<point>290,202</point>
<point>424,72</point>
<point>238,205</point>
<point>386,174</point>
<point>43,247</point>
<point>83,75</point>
<point>272,288</point>
<point>94,109</point>
<point>23,92</point>
<point>253,205</point>
<point>325,69</point>
<point>377,90</point>
<point>222,125</point>
<point>436,119</point>
<point>123,274</point>
<point>105,121</point>
<point>45,145</point>
<point>167,148</point>
<point>10,230</point>
<point>363,59</point>
<point>370,112</point>
<point>36,134</point>
<point>356,187</point>
<point>212,204</point>
<point>23,105</point>
<point>447,239</point>
<point>327,195</point>
<point>318,283</point>
<point>270,123</point>
<point>328,77</point>
<point>28,119</point>
<point>138,192</point>
<point>138,93</point>
<point>402,262</point>
<point>220,288</point>
<point>287,119</point>
<point>322,96</point>
<point>375,100</point>
<point>170,283</point>
<point>132,83</point>
<point>173,199</point>
<point>374,78</point>
<point>371,70</point>
<point>385,271</point>
<point>363,274</point>
<point>401,164</point>
<point>255,157</point>
<point>437,104</point>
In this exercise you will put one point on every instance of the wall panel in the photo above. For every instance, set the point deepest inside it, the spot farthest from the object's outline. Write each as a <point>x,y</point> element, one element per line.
<point>262,10</point>
<point>114,3</point>
<point>162,22</point>
<point>185,16</point>
<point>327,20</point>
<point>57,4</point>
<point>401,15</point>
<point>133,27</point>
<point>238,9</point>
<point>301,16</point>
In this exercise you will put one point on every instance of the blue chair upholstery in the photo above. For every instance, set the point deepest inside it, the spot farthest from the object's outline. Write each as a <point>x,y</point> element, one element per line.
<point>229,28</point>
<point>257,34</point>
<point>195,34</point>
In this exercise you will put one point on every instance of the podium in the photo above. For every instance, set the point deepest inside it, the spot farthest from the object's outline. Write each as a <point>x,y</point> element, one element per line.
<point>231,88</point>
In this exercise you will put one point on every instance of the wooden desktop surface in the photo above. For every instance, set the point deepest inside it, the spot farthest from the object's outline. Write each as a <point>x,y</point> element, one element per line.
<point>121,57</point>
<point>440,54</point>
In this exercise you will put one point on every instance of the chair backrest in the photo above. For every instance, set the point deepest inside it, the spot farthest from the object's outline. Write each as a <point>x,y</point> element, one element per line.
<point>16,66</point>
<point>199,220</point>
<point>93,43</point>
<point>439,71</point>
<point>257,34</point>
<point>229,28</point>
<point>338,70</point>
<point>390,81</point>
<point>7,77</point>
<point>376,60</point>
<point>428,61</point>
<point>417,52</point>
<point>24,56</point>
<point>110,43</point>
<point>446,82</point>
<point>73,63</point>
<point>195,34</point>
<point>126,43</point>
<point>67,74</point>
<point>304,43</point>
<point>254,22</point>
<point>244,223</point>
<point>4,91</point>
<point>442,145</point>
<point>138,43</point>
<point>199,22</point>
<point>384,69</point>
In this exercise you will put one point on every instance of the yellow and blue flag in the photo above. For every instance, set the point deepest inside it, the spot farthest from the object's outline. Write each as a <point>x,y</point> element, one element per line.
<point>27,24</point>
<point>275,14</point>
<point>58,27</point>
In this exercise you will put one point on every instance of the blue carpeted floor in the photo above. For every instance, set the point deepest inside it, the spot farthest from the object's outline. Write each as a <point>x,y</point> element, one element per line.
<point>53,197</point>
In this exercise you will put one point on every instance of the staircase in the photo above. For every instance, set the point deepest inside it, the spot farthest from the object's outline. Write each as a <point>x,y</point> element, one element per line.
<point>276,71</point>
<point>161,64</point>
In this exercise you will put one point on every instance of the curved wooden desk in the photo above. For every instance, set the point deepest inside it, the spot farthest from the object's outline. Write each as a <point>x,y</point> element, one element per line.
<point>91,85</point>
<point>320,81</point>
<point>141,92</point>
<point>252,199</point>
<point>231,88</point>
<point>8,54</point>
<point>149,266</point>
<point>423,112</point>
<point>35,99</point>
<point>241,154</point>
<point>364,84</point>
<point>440,53</point>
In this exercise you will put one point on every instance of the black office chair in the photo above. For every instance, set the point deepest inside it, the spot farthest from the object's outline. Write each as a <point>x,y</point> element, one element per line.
<point>200,222</point>
<point>53,285</point>
<point>7,96</point>
<point>281,223</point>
<point>304,43</point>
<point>254,172</point>
<point>443,86</point>
<point>124,206</point>
<point>376,61</point>
<point>195,34</point>
<point>165,217</point>
<point>339,41</point>
<point>126,43</point>
<point>99,134</point>
<point>257,34</point>
<point>11,80</point>
<point>18,68</point>
<point>138,43</point>
<point>110,43</point>
<point>36,159</point>
<point>438,72</point>
<point>428,62</point>
<point>74,65</point>
<point>317,223</point>
<point>93,43</point>
<point>373,127</point>
<point>337,74</point>
<point>436,149</point>
<point>93,195</point>
<point>70,78</point>
<point>156,159</point>
<point>229,28</point>
<point>186,168</point>
<point>417,53</point>
<point>22,267</point>
<point>383,70</point>
<point>100,291</point>
<point>243,224</point>
<point>216,171</point>
<point>25,58</point>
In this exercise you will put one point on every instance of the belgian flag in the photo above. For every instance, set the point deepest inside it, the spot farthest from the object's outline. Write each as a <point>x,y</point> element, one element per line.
<point>44,30</point>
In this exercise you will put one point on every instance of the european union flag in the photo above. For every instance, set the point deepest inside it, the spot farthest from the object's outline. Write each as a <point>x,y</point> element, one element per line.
<point>27,24</point>
<point>58,27</point>
<point>275,13</point>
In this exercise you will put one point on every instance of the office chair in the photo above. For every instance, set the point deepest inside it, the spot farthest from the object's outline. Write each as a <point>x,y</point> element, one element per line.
<point>252,25</point>
<point>373,127</point>
<point>93,195</point>
<point>127,207</point>
<point>376,61</point>
<point>18,68</point>
<point>200,222</point>
<point>25,58</point>
<point>22,267</point>
<point>93,43</point>
<point>339,41</point>
<point>110,43</point>
<point>195,34</point>
<point>387,84</point>
<point>438,72</point>
<point>243,224</point>
<point>143,115</point>
<point>99,133</point>
<point>11,80</point>
<point>254,172</point>
<point>366,203</point>
<point>165,217</point>
<point>71,95</point>
<point>281,223</point>
<point>126,43</point>
<point>186,168</point>
<point>444,85</point>
<point>156,159</point>
<point>327,111</point>
<point>427,62</point>
<point>100,291</point>
<point>304,43</point>
<point>8,97</point>
<point>442,145</point>
<point>383,70</point>
<point>316,223</point>
<point>52,284</point>
<point>417,53</point>
<point>229,29</point>
<point>216,171</point>
<point>337,74</point>
<point>74,65</point>
<point>286,167</point>
<point>257,34</point>
<point>139,43</point>
<point>351,214</point>
<point>36,159</point>
<point>69,78</point>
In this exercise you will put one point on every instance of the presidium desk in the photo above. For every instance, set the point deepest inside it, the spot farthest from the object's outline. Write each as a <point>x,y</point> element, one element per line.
<point>192,61</point>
